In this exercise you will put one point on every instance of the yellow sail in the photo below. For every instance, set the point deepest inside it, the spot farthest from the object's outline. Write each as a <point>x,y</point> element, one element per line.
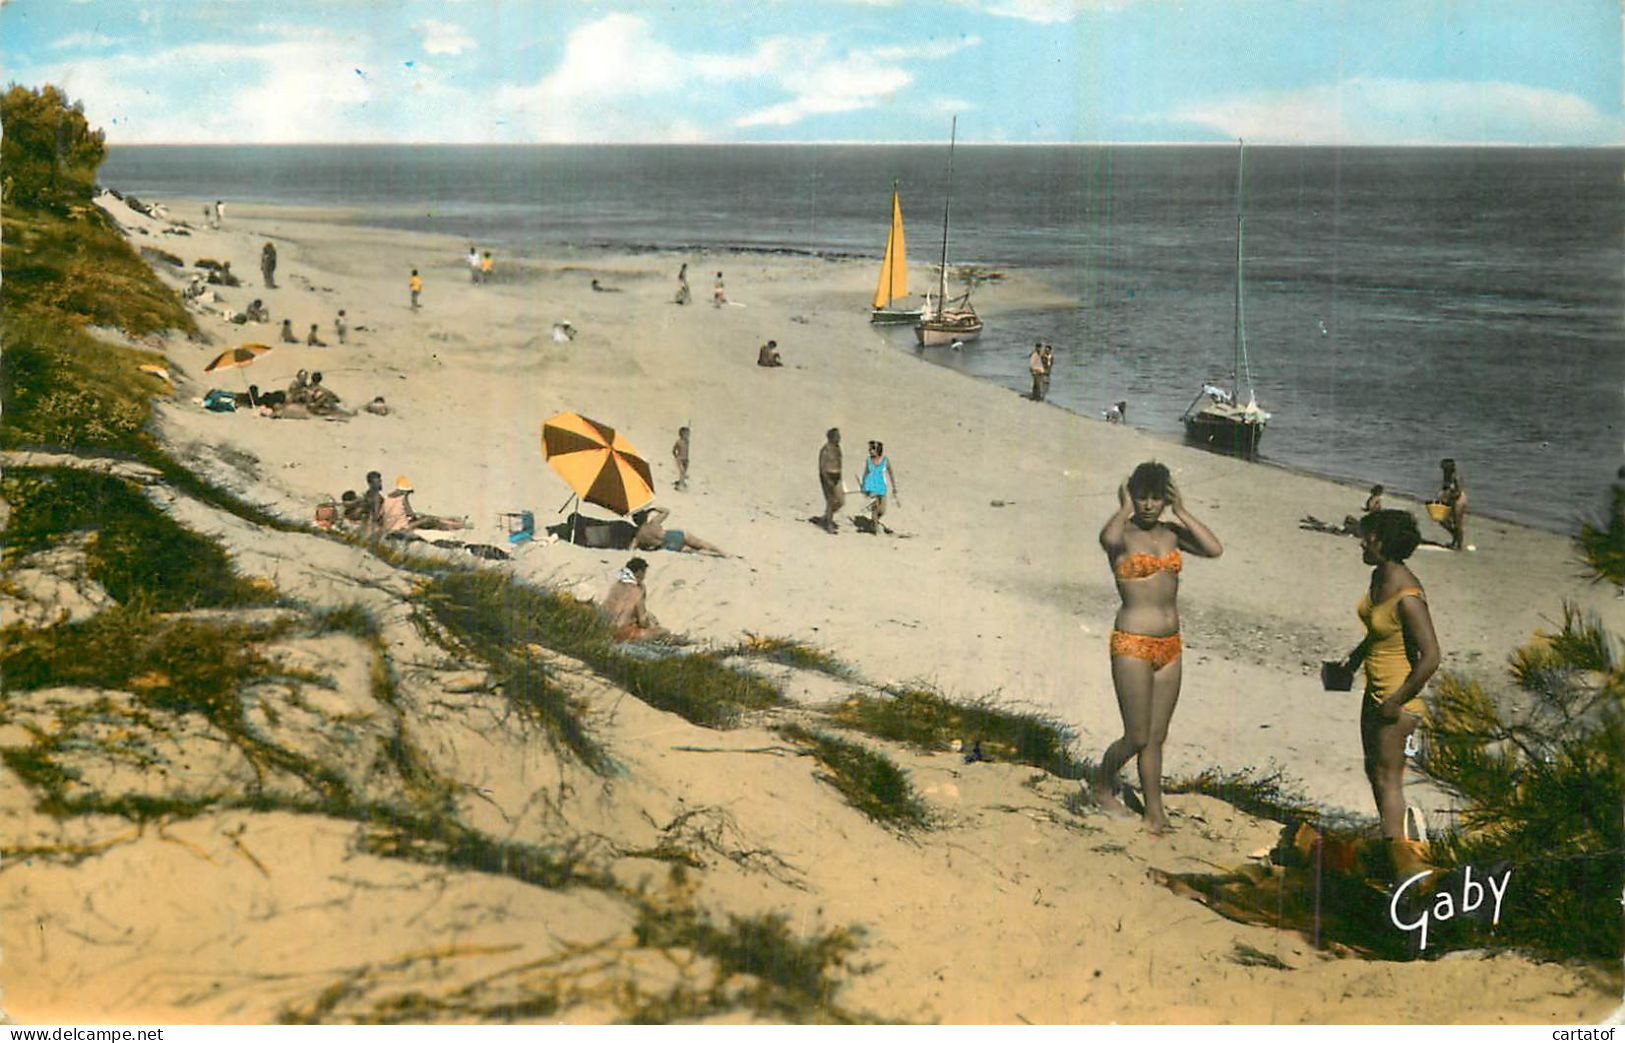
<point>894,269</point>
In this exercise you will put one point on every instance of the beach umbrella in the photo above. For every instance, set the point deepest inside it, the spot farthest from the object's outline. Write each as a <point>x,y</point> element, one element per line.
<point>599,465</point>
<point>236,358</point>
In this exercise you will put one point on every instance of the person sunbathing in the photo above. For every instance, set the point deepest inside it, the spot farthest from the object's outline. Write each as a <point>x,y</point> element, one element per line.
<point>651,536</point>
<point>398,515</point>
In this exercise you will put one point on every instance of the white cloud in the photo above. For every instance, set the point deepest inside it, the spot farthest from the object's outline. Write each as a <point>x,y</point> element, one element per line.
<point>945,49</point>
<point>82,40</point>
<point>617,81</point>
<point>442,37</point>
<point>1047,12</point>
<point>855,83</point>
<point>289,91</point>
<point>1375,111</point>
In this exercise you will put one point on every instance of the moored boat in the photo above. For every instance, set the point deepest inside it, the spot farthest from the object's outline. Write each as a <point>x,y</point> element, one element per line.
<point>946,321</point>
<point>1216,418</point>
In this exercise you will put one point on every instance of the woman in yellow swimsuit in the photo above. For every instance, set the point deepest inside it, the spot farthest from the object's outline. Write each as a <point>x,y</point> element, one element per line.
<point>1146,668</point>
<point>1400,653</point>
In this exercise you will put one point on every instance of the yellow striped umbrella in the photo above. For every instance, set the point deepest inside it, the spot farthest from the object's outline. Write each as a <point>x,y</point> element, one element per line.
<point>600,465</point>
<point>237,357</point>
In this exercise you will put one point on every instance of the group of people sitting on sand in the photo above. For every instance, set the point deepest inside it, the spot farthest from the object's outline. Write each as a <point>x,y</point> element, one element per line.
<point>372,513</point>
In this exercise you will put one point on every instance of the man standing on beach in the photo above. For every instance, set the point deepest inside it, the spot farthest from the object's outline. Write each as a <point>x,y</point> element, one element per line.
<point>1048,354</point>
<point>415,284</point>
<point>829,477</point>
<point>268,266</point>
<point>679,453</point>
<point>473,264</point>
<point>1035,368</point>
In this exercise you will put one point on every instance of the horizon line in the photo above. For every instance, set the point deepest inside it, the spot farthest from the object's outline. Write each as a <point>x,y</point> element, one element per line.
<point>1226,144</point>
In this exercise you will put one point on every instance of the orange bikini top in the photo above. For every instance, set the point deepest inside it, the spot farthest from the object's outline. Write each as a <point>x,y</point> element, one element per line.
<point>1144,566</point>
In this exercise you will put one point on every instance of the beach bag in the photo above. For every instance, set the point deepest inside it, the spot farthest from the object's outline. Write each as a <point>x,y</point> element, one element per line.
<point>1335,677</point>
<point>1439,512</point>
<point>218,401</point>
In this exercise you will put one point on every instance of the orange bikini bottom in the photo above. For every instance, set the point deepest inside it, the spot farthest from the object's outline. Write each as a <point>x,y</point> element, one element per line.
<point>1159,651</point>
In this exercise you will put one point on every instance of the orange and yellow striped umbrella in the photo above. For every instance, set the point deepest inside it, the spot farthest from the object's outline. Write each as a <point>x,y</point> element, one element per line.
<point>600,465</point>
<point>237,357</point>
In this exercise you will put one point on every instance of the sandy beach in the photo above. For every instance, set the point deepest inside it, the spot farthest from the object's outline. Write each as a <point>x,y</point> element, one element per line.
<point>993,585</point>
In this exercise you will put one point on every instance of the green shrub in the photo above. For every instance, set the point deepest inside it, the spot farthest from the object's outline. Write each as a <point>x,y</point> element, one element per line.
<point>49,153</point>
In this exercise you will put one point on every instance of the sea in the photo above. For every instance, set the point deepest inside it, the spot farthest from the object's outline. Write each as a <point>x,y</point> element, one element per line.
<point>1400,305</point>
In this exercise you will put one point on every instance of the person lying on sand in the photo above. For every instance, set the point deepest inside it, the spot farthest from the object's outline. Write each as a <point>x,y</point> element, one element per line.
<point>598,287</point>
<point>626,606</point>
<point>398,515</point>
<point>651,536</point>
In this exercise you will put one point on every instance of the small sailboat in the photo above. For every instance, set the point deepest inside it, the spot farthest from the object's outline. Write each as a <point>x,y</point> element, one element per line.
<point>1216,417</point>
<point>893,274</point>
<point>946,321</point>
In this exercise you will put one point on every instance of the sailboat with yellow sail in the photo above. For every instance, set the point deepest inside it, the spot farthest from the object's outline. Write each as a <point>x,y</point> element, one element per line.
<point>893,282</point>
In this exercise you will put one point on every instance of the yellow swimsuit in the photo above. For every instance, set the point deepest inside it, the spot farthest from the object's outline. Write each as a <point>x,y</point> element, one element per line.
<point>1386,662</point>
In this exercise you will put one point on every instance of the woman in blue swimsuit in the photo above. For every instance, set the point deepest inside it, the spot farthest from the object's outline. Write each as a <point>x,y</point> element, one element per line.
<point>879,481</point>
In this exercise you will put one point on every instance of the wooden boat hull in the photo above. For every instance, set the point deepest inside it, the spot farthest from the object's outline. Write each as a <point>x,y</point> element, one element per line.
<point>939,333</point>
<point>1234,436</point>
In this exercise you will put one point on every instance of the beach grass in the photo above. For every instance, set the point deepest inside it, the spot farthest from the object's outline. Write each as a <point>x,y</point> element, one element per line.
<point>1263,793</point>
<point>792,652</point>
<point>61,386</point>
<point>134,550</point>
<point>924,718</point>
<point>792,977</point>
<point>869,780</point>
<point>494,613</point>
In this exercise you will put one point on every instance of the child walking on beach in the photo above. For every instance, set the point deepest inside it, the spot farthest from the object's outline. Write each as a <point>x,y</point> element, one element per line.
<point>415,284</point>
<point>1143,551</point>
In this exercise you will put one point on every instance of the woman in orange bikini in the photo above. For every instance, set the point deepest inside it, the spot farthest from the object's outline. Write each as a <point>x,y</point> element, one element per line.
<point>1146,668</point>
<point>1400,653</point>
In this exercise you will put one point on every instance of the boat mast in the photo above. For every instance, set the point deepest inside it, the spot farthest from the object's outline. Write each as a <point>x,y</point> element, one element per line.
<point>1241,331</point>
<point>942,270</point>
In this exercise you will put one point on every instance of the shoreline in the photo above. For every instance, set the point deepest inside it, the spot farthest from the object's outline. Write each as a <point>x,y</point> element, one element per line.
<point>547,259</point>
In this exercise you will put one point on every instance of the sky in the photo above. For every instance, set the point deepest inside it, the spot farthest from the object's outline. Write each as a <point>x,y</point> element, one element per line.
<point>1292,72</point>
